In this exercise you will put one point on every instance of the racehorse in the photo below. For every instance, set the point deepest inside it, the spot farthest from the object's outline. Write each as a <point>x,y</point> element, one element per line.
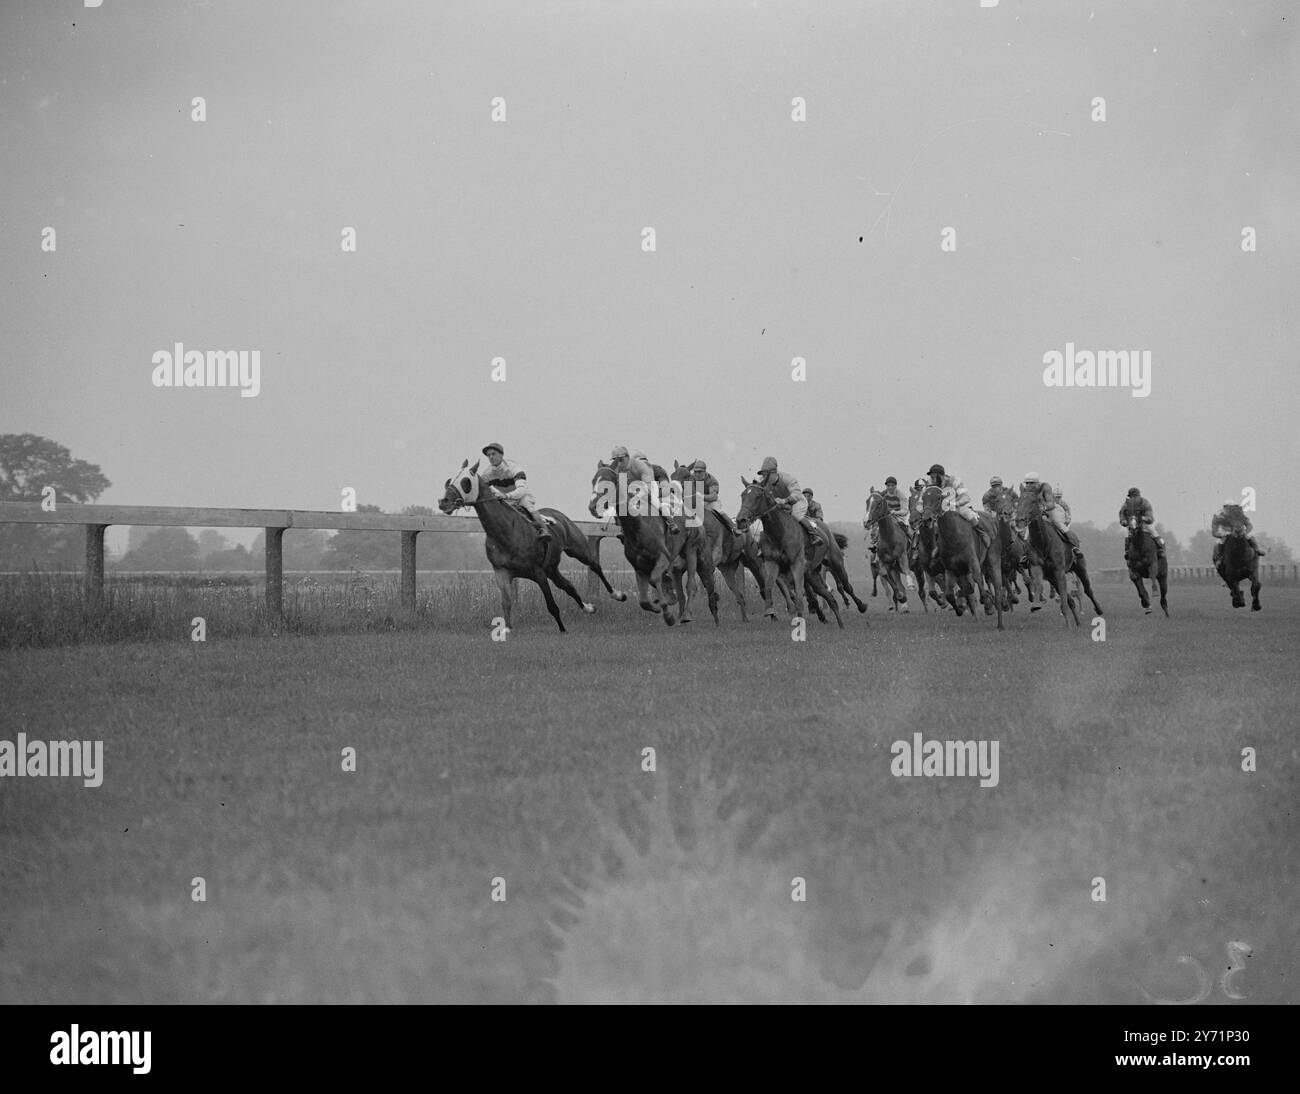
<point>962,553</point>
<point>891,549</point>
<point>656,546</point>
<point>1057,555</point>
<point>785,549</point>
<point>513,547</point>
<point>925,568</point>
<point>1146,562</point>
<point>1239,561</point>
<point>729,548</point>
<point>1012,547</point>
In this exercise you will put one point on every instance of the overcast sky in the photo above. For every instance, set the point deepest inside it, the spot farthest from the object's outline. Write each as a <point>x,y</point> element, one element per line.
<point>775,239</point>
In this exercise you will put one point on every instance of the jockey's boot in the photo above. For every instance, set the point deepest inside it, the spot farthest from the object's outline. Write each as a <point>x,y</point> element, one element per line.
<point>1258,549</point>
<point>543,530</point>
<point>726,520</point>
<point>814,536</point>
<point>1160,546</point>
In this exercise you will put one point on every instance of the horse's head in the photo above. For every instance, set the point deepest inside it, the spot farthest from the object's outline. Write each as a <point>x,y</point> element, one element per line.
<point>1030,506</point>
<point>683,471</point>
<point>877,507</point>
<point>755,500</point>
<point>934,500</point>
<point>462,488</point>
<point>604,491</point>
<point>1005,503</point>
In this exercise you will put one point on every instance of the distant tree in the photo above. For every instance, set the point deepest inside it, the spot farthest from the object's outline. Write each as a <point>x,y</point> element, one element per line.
<point>28,464</point>
<point>301,548</point>
<point>163,549</point>
<point>1199,548</point>
<point>1277,549</point>
<point>1102,547</point>
<point>212,541</point>
<point>236,558</point>
<point>349,549</point>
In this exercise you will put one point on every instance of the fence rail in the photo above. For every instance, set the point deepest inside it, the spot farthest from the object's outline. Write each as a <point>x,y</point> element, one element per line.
<point>96,519</point>
<point>1272,572</point>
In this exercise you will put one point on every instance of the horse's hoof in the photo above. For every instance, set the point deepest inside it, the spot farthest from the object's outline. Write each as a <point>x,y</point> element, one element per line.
<point>589,609</point>
<point>1036,608</point>
<point>620,597</point>
<point>1256,607</point>
<point>648,607</point>
<point>1147,610</point>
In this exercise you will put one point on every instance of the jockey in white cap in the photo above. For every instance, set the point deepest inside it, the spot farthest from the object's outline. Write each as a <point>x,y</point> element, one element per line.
<point>509,480</point>
<point>785,487</point>
<point>1034,487</point>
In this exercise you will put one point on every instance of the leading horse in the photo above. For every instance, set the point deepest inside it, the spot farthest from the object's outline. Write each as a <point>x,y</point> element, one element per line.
<point>1057,556</point>
<point>513,547</point>
<point>1239,561</point>
<point>962,553</point>
<point>1145,562</point>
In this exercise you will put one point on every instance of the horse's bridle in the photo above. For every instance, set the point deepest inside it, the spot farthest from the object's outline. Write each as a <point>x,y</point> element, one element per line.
<point>769,497</point>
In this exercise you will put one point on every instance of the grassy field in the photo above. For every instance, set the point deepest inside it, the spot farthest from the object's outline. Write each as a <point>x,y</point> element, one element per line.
<point>522,760</point>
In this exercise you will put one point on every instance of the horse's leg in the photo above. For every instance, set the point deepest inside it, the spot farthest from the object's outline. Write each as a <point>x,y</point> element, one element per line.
<point>842,581</point>
<point>707,574</point>
<point>810,594</point>
<point>734,576</point>
<point>687,576</point>
<point>663,569</point>
<point>643,591</point>
<point>506,584</point>
<point>1081,572</point>
<point>798,569</point>
<point>566,586</point>
<point>1254,588</point>
<point>769,583</point>
<point>539,576</point>
<point>818,584</point>
<point>1140,584</point>
<point>593,564</point>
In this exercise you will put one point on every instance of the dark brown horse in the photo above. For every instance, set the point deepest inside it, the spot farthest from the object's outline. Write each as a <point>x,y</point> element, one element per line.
<point>785,549</point>
<point>513,547</point>
<point>1147,563</point>
<point>1057,555</point>
<point>967,562</point>
<point>926,568</point>
<point>1237,562</point>
<point>729,548</point>
<point>891,549</point>
<point>1013,549</point>
<point>657,545</point>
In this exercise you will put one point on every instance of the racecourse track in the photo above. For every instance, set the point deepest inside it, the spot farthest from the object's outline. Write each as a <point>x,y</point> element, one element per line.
<point>524,761</point>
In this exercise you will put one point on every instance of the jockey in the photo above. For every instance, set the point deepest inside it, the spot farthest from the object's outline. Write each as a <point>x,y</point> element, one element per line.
<point>1137,510</point>
<point>914,503</point>
<point>992,499</point>
<point>899,507</point>
<point>1231,514</point>
<point>639,469</point>
<point>1034,487</point>
<point>785,487</point>
<point>814,507</point>
<point>960,500</point>
<point>706,486</point>
<point>509,480</point>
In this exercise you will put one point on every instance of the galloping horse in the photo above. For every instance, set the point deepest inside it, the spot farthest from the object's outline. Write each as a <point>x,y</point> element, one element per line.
<point>891,549</point>
<point>513,547</point>
<point>925,567</point>
<point>1146,562</point>
<point>730,549</point>
<point>962,553</point>
<point>785,549</point>
<point>1057,555</point>
<point>1014,553</point>
<point>657,546</point>
<point>1238,562</point>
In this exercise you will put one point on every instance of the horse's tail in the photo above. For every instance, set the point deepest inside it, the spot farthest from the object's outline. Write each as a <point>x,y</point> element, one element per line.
<point>841,539</point>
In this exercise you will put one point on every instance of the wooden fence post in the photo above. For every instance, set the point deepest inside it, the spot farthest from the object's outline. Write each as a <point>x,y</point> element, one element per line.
<point>95,563</point>
<point>275,571</point>
<point>408,570</point>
